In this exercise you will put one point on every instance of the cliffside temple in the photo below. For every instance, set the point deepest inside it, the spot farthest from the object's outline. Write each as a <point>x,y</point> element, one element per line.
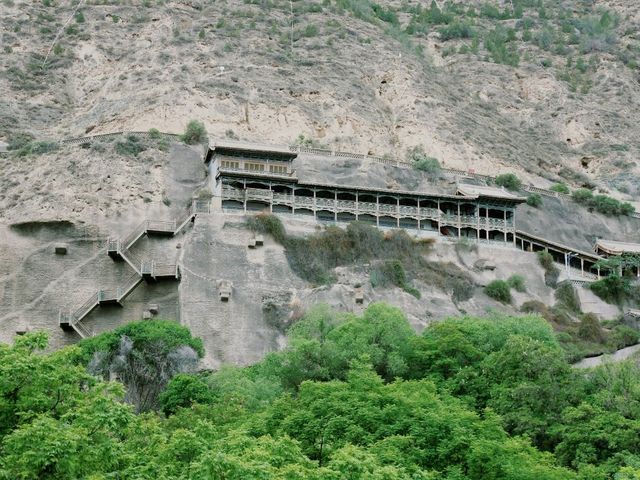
<point>249,180</point>
<point>252,178</point>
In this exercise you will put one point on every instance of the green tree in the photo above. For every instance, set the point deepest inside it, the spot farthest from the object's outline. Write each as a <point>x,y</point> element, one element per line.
<point>183,390</point>
<point>194,133</point>
<point>145,356</point>
<point>509,181</point>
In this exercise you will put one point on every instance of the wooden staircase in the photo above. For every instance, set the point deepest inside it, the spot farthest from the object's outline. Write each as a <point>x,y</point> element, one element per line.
<point>144,269</point>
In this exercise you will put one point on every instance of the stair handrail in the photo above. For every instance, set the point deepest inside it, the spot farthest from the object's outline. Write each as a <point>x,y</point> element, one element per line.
<point>82,311</point>
<point>138,231</point>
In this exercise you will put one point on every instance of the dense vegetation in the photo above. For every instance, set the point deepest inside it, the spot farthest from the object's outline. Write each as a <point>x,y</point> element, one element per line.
<point>357,397</point>
<point>394,257</point>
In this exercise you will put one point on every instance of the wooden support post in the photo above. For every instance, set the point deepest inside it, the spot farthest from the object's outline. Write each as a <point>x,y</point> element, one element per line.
<point>244,202</point>
<point>315,208</point>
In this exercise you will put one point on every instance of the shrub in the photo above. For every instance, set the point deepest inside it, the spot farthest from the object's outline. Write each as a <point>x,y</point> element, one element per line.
<point>567,295</point>
<point>194,133</point>
<point>582,196</point>
<point>612,289</point>
<point>155,134</point>
<point>560,188</point>
<point>421,161</point>
<point>623,336</point>
<point>392,272</point>
<point>590,328</point>
<point>428,164</point>
<point>183,391</point>
<point>499,290</point>
<point>508,181</point>
<point>498,43</point>
<point>534,200</point>
<point>132,146</point>
<point>36,148</point>
<point>19,140</point>
<point>310,30</point>
<point>517,283</point>
<point>602,203</point>
<point>551,272</point>
<point>546,260</point>
<point>456,30</point>
<point>269,224</point>
<point>535,306</point>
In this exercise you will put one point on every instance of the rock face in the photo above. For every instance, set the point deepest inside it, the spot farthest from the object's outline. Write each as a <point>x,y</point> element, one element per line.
<point>240,300</point>
<point>321,75</point>
<point>339,78</point>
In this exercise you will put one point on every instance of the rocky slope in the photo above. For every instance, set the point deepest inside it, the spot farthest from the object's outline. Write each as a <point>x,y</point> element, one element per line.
<point>546,88</point>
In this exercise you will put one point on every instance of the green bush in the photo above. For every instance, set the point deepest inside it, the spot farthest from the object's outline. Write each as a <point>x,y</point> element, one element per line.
<point>623,336</point>
<point>517,283</point>
<point>613,289</point>
<point>194,133</point>
<point>392,272</point>
<point>132,146</point>
<point>602,203</point>
<point>39,147</point>
<point>456,30</point>
<point>499,43</point>
<point>590,328</point>
<point>421,161</point>
<point>499,290</point>
<point>183,391</point>
<point>155,134</point>
<point>583,196</point>
<point>551,272</point>
<point>567,295</point>
<point>269,224</point>
<point>310,30</point>
<point>509,181</point>
<point>19,140</point>
<point>428,164</point>
<point>534,200</point>
<point>560,188</point>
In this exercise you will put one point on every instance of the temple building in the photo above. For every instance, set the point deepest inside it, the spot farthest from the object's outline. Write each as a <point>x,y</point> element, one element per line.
<point>262,179</point>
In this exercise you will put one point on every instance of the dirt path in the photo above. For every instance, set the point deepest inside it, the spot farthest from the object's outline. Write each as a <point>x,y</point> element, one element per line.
<point>617,356</point>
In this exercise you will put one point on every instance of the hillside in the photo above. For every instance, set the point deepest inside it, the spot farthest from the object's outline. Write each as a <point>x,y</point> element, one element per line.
<point>321,239</point>
<point>543,88</point>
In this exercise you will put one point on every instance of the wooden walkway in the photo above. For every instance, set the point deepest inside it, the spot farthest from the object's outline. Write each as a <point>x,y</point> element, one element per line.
<point>149,270</point>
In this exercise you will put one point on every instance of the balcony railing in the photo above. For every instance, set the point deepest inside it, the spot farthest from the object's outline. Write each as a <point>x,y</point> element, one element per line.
<point>350,206</point>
